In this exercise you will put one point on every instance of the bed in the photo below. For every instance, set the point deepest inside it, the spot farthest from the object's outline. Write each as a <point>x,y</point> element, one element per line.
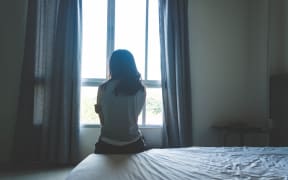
<point>187,163</point>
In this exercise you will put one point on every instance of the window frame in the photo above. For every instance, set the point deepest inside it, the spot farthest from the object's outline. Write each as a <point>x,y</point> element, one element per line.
<point>96,82</point>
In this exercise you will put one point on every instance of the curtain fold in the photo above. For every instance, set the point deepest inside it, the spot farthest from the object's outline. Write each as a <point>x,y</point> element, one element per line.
<point>175,71</point>
<point>47,128</point>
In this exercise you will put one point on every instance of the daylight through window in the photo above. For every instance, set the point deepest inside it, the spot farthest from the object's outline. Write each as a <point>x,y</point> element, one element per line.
<point>120,24</point>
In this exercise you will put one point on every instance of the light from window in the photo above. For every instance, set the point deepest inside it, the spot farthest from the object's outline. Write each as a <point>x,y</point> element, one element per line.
<point>130,29</point>
<point>135,27</point>
<point>94,39</point>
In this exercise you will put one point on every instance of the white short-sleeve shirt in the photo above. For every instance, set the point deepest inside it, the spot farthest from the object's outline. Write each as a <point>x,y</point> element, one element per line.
<point>120,114</point>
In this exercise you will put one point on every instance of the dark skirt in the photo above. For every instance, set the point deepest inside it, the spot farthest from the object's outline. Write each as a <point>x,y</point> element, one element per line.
<point>102,147</point>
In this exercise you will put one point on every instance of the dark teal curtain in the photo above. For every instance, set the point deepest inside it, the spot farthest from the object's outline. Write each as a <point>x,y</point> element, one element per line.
<point>175,71</point>
<point>47,128</point>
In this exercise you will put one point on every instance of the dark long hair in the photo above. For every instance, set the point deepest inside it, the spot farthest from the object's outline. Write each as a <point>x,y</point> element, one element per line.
<point>123,68</point>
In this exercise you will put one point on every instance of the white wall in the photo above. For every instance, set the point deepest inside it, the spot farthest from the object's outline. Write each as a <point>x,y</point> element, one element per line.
<point>285,21</point>
<point>257,70</point>
<point>12,19</point>
<point>227,66</point>
<point>278,37</point>
<point>278,44</point>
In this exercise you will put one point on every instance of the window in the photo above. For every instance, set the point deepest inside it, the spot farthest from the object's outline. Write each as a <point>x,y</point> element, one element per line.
<point>120,24</point>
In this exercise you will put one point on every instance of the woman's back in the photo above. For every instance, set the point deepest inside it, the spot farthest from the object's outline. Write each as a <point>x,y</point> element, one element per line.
<point>120,114</point>
<point>119,103</point>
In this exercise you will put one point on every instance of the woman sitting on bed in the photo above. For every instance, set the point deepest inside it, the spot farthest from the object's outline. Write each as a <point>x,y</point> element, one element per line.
<point>119,103</point>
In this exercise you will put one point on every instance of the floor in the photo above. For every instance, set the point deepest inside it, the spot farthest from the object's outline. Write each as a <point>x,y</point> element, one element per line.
<point>59,173</point>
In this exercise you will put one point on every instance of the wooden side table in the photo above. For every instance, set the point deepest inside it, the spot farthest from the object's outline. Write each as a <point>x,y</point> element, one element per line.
<point>241,129</point>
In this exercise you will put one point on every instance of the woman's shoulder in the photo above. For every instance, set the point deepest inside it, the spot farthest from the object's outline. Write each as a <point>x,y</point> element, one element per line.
<point>107,84</point>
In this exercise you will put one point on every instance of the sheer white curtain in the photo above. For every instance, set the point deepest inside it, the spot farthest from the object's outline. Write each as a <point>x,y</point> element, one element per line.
<point>175,71</point>
<point>47,128</point>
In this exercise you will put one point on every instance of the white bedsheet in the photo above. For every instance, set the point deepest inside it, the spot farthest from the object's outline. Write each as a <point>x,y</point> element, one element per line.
<point>187,163</point>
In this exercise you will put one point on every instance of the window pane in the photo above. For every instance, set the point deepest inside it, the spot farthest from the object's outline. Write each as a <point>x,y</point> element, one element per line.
<point>130,29</point>
<point>94,38</point>
<point>88,100</point>
<point>130,21</point>
<point>154,71</point>
<point>154,106</point>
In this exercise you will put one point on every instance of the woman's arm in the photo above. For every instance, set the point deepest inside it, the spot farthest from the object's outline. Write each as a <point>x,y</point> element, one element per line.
<point>140,100</point>
<point>97,106</point>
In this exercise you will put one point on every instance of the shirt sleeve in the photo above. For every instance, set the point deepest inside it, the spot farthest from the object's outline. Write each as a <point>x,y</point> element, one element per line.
<point>98,108</point>
<point>140,100</point>
<point>97,105</point>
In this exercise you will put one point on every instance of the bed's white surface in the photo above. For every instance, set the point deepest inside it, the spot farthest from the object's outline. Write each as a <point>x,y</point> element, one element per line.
<point>187,163</point>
